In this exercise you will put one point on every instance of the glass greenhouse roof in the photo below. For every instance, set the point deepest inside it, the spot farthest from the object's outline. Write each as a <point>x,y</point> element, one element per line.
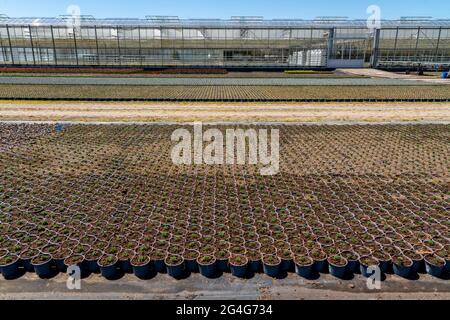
<point>250,22</point>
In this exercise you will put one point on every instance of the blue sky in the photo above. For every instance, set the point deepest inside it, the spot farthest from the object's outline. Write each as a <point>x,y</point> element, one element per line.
<point>304,9</point>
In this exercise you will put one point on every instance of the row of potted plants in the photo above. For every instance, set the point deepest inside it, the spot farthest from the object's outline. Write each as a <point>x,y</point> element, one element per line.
<point>111,193</point>
<point>145,260</point>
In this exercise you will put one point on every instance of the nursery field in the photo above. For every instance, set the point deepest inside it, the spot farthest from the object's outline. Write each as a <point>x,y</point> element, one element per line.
<point>225,93</point>
<point>109,199</point>
<point>196,81</point>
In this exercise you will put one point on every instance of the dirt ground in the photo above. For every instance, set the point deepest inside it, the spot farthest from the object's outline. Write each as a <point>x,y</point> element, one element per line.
<point>226,287</point>
<point>223,112</point>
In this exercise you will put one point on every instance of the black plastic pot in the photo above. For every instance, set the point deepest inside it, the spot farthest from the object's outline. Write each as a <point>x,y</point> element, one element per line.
<point>338,271</point>
<point>92,266</point>
<point>59,263</point>
<point>434,270</point>
<point>353,264</point>
<point>175,271</point>
<point>125,266</point>
<point>239,271</point>
<point>142,271</point>
<point>287,265</point>
<point>81,265</point>
<point>320,265</point>
<point>42,269</point>
<point>208,270</point>
<point>160,266</point>
<point>364,269</point>
<point>385,266</point>
<point>272,270</point>
<point>305,271</point>
<point>403,271</point>
<point>255,266</point>
<point>109,271</point>
<point>26,264</point>
<point>11,270</point>
<point>191,265</point>
<point>418,265</point>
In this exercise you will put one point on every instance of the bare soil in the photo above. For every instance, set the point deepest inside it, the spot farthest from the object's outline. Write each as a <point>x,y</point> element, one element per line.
<point>216,112</point>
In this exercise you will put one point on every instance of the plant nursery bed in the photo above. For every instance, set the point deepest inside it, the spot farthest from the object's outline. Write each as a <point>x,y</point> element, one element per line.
<point>225,93</point>
<point>109,199</point>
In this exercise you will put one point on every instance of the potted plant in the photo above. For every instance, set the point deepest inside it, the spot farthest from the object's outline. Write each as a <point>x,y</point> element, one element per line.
<point>353,261</point>
<point>92,257</point>
<point>108,266</point>
<point>271,265</point>
<point>304,266</point>
<point>175,266</point>
<point>222,260</point>
<point>75,260</point>
<point>26,256</point>
<point>190,259</point>
<point>384,259</point>
<point>445,254</point>
<point>239,265</point>
<point>337,265</point>
<point>9,266</point>
<point>59,256</point>
<point>402,266</point>
<point>207,265</point>
<point>417,259</point>
<point>367,262</point>
<point>434,265</point>
<point>157,257</point>
<point>255,261</point>
<point>287,261</point>
<point>141,266</point>
<point>320,260</point>
<point>42,265</point>
<point>124,260</point>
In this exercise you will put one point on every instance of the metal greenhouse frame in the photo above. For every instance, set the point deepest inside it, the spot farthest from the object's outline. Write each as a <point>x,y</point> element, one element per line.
<point>240,42</point>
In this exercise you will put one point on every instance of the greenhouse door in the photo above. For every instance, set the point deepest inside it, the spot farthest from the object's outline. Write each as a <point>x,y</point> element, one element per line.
<point>348,53</point>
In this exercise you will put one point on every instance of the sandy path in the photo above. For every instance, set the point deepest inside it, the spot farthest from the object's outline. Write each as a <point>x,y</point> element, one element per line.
<point>185,112</point>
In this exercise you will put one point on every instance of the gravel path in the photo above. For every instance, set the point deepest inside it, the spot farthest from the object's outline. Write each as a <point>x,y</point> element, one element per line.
<point>207,81</point>
<point>214,112</point>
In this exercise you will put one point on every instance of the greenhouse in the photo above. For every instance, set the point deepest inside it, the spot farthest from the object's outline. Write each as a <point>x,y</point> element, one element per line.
<point>240,42</point>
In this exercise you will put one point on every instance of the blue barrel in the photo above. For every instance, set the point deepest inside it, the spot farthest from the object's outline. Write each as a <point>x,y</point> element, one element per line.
<point>59,127</point>
<point>445,75</point>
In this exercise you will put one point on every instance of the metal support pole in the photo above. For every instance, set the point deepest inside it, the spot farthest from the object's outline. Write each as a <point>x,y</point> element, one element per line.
<point>96,45</point>
<point>396,42</point>
<point>417,40</point>
<point>76,46</point>
<point>183,60</point>
<point>290,47</point>
<point>376,46</point>
<point>331,42</point>
<point>417,44</point>
<point>10,44</point>
<point>161,45</point>
<point>54,46</point>
<point>118,46</point>
<point>32,45</point>
<point>141,58</point>
<point>438,43</point>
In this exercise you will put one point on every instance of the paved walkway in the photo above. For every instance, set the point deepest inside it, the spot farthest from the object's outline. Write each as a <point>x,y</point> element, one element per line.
<point>380,74</point>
